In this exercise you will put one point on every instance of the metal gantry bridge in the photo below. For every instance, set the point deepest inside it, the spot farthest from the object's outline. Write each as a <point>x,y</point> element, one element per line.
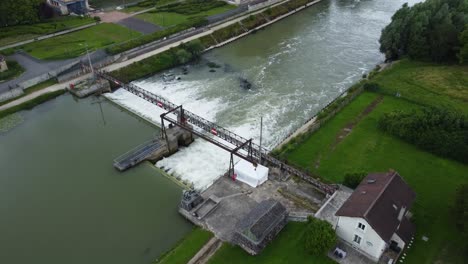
<point>253,150</point>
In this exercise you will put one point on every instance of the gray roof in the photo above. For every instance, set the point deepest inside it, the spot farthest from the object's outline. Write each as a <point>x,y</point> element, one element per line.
<point>258,222</point>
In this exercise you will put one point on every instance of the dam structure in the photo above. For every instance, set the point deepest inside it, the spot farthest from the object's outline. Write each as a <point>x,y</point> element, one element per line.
<point>185,121</point>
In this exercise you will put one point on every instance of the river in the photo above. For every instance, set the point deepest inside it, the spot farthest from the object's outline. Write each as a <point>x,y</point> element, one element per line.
<point>61,200</point>
<point>296,67</point>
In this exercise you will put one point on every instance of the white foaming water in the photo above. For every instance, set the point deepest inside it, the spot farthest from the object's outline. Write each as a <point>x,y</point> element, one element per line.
<point>292,77</point>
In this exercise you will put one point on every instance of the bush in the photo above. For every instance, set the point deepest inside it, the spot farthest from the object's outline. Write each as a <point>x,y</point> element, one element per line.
<point>371,87</point>
<point>319,236</point>
<point>352,180</point>
<point>442,132</point>
<point>159,62</point>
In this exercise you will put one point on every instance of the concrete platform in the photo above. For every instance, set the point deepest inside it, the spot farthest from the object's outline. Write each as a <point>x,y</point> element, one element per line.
<point>236,199</point>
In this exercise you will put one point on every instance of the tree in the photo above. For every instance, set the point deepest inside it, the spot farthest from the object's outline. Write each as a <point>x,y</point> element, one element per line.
<point>463,54</point>
<point>352,180</point>
<point>16,12</point>
<point>183,56</point>
<point>429,30</point>
<point>461,213</point>
<point>195,47</point>
<point>319,236</point>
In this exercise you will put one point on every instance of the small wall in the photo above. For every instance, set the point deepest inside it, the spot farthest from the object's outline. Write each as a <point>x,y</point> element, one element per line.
<point>13,93</point>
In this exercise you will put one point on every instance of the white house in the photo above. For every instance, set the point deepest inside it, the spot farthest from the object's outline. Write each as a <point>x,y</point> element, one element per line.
<point>65,7</point>
<point>376,215</point>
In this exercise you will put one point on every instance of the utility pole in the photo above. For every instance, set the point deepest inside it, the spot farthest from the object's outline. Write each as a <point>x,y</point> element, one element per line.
<point>261,132</point>
<point>89,60</point>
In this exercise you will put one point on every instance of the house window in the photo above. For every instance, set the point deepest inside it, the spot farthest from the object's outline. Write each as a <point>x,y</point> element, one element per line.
<point>361,226</point>
<point>357,239</point>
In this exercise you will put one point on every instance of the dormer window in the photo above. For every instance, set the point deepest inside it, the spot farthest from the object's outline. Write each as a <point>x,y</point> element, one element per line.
<point>361,226</point>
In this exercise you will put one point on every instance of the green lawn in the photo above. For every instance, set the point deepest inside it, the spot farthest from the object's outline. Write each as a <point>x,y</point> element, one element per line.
<point>74,44</point>
<point>286,248</point>
<point>187,248</point>
<point>10,35</point>
<point>14,70</point>
<point>428,83</point>
<point>166,19</point>
<point>366,148</point>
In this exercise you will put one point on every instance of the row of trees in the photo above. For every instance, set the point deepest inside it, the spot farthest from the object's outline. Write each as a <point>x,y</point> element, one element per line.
<point>441,132</point>
<point>435,30</point>
<point>21,12</point>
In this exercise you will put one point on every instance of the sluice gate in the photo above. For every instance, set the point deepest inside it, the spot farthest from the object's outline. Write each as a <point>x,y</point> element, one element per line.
<point>186,117</point>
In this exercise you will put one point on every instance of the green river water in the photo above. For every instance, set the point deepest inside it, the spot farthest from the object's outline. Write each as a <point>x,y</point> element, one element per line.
<point>61,200</point>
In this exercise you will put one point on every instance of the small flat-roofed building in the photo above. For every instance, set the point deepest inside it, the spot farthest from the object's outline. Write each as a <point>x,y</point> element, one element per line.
<point>3,64</point>
<point>65,7</point>
<point>260,226</point>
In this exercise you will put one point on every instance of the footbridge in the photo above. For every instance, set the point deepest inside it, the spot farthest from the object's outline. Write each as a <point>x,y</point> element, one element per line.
<point>255,153</point>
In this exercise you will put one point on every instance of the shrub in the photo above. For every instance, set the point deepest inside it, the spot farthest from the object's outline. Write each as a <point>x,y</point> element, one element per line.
<point>371,87</point>
<point>319,236</point>
<point>352,180</point>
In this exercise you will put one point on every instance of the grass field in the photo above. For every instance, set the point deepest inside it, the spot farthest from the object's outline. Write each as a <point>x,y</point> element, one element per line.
<point>187,248</point>
<point>366,148</point>
<point>166,19</point>
<point>10,35</point>
<point>427,83</point>
<point>74,44</point>
<point>286,248</point>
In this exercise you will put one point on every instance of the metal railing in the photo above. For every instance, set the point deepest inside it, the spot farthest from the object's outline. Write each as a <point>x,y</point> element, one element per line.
<point>218,131</point>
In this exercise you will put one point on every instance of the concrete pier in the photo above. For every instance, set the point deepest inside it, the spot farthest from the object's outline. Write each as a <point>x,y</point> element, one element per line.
<point>155,149</point>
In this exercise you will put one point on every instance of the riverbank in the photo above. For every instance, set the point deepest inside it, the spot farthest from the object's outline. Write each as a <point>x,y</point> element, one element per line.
<point>352,142</point>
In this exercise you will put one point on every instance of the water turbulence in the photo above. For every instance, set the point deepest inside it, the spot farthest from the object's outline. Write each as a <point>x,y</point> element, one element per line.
<point>294,68</point>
